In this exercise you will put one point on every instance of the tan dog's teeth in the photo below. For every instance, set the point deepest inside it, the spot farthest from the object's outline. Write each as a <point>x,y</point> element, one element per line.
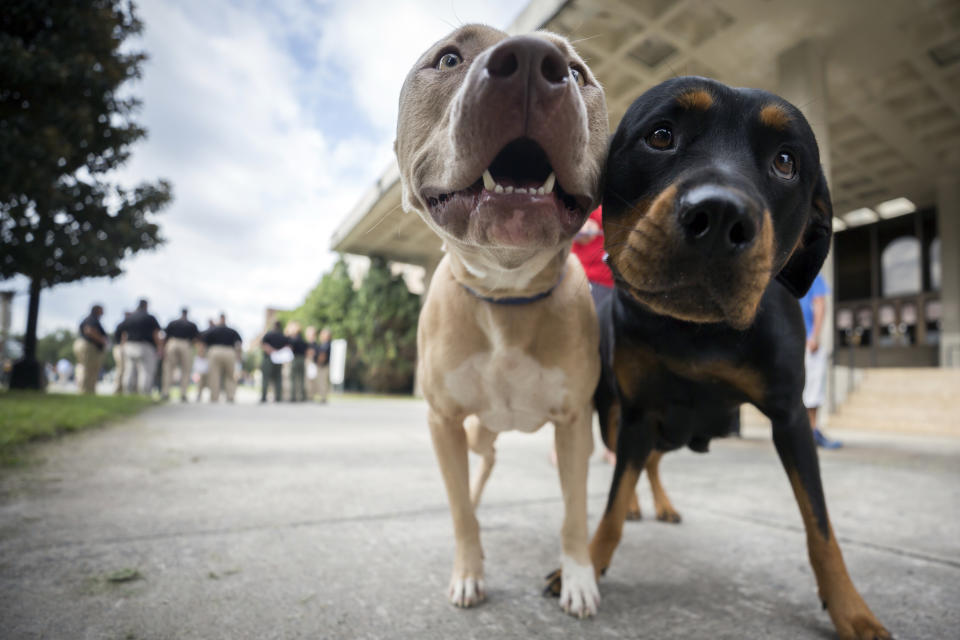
<point>488,182</point>
<point>491,185</point>
<point>548,183</point>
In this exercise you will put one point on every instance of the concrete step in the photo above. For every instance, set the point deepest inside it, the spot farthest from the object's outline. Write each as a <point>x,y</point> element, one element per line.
<point>905,400</point>
<point>921,401</point>
<point>900,420</point>
<point>919,381</point>
<point>869,396</point>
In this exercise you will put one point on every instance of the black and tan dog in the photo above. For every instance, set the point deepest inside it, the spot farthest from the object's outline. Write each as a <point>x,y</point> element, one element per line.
<point>717,218</point>
<point>501,142</point>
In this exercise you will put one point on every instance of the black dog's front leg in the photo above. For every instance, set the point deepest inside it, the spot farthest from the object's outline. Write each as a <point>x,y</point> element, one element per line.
<point>850,614</point>
<point>634,443</point>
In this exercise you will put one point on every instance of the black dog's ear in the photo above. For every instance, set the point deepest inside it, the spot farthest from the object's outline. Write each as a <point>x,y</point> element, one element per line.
<point>804,265</point>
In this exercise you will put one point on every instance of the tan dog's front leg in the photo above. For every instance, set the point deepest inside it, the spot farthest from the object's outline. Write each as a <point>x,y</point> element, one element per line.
<point>450,445</point>
<point>481,442</point>
<point>579,595</point>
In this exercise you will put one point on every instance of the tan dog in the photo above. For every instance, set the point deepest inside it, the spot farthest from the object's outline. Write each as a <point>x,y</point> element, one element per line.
<point>500,143</point>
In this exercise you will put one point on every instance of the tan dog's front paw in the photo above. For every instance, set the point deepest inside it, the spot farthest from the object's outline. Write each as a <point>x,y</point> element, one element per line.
<point>579,595</point>
<point>466,591</point>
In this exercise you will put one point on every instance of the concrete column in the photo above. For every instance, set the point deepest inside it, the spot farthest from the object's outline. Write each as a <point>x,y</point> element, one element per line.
<point>948,225</point>
<point>802,79</point>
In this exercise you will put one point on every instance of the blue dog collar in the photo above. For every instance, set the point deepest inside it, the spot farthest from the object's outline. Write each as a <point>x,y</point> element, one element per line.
<point>517,300</point>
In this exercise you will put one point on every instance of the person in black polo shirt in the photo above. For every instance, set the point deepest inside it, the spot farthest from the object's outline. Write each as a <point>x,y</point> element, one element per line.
<point>272,372</point>
<point>88,349</point>
<point>178,353</point>
<point>298,368</point>
<point>223,353</point>
<point>141,348</point>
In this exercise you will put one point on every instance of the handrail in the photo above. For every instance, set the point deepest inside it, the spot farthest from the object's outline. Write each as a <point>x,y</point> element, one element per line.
<point>952,356</point>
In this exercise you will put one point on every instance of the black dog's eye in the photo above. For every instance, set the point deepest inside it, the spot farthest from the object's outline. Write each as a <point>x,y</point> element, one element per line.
<point>660,138</point>
<point>577,76</point>
<point>449,61</point>
<point>784,165</point>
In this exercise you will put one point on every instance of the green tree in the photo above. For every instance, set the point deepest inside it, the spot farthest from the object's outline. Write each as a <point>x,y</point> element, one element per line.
<point>378,320</point>
<point>329,303</point>
<point>56,345</point>
<point>65,124</point>
<point>383,323</point>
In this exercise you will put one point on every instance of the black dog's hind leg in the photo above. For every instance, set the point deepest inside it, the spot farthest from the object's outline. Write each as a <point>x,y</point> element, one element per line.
<point>661,501</point>
<point>634,445</point>
<point>850,614</point>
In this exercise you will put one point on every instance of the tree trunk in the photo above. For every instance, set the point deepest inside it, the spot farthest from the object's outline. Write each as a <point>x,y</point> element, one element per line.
<point>27,373</point>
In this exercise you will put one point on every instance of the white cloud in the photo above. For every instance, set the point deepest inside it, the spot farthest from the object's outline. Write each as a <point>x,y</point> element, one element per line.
<point>270,122</point>
<point>374,67</point>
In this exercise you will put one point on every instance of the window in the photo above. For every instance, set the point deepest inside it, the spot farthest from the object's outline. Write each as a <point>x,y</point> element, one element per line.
<point>900,271</point>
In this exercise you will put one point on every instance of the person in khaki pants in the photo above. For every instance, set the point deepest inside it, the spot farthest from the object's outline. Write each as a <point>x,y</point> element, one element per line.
<point>223,346</point>
<point>118,356</point>
<point>88,349</point>
<point>322,358</point>
<point>310,335</point>
<point>178,353</point>
<point>141,347</point>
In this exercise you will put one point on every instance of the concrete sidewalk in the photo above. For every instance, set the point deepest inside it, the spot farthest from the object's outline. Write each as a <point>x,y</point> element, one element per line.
<point>296,521</point>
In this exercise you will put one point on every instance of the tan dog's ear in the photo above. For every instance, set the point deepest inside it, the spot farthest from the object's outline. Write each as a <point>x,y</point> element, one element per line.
<point>804,265</point>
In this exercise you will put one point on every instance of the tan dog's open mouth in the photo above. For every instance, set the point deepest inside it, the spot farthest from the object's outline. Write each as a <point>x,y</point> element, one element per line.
<point>517,201</point>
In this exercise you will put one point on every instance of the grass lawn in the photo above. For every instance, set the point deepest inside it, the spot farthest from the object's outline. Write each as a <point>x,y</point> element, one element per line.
<point>31,415</point>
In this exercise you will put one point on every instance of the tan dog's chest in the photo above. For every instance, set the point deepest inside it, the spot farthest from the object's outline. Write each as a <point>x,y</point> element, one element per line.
<point>515,368</point>
<point>508,389</point>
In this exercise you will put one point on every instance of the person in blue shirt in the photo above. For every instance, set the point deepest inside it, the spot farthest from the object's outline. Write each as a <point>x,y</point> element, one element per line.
<point>814,308</point>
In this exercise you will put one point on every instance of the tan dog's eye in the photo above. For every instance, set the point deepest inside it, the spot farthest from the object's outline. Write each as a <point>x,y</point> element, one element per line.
<point>448,61</point>
<point>577,76</point>
<point>784,165</point>
<point>660,138</point>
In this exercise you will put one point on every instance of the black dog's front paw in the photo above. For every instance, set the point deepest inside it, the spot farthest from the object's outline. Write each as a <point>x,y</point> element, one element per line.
<point>669,515</point>
<point>554,583</point>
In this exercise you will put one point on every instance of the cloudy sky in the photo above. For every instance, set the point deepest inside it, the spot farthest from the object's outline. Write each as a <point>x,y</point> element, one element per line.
<point>270,119</point>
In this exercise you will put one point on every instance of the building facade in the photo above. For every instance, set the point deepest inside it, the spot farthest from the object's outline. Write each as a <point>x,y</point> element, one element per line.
<point>880,84</point>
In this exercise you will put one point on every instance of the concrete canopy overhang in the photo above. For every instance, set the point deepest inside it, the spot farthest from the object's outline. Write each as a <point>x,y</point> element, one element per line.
<point>892,76</point>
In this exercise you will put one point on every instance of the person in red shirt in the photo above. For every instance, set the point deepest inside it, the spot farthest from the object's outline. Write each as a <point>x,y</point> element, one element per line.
<point>588,247</point>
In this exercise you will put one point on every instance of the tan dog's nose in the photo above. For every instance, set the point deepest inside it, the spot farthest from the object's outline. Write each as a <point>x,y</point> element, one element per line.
<point>522,62</point>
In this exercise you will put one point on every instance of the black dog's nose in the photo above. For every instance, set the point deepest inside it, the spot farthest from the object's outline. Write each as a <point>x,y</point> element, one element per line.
<point>717,221</point>
<point>524,59</point>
